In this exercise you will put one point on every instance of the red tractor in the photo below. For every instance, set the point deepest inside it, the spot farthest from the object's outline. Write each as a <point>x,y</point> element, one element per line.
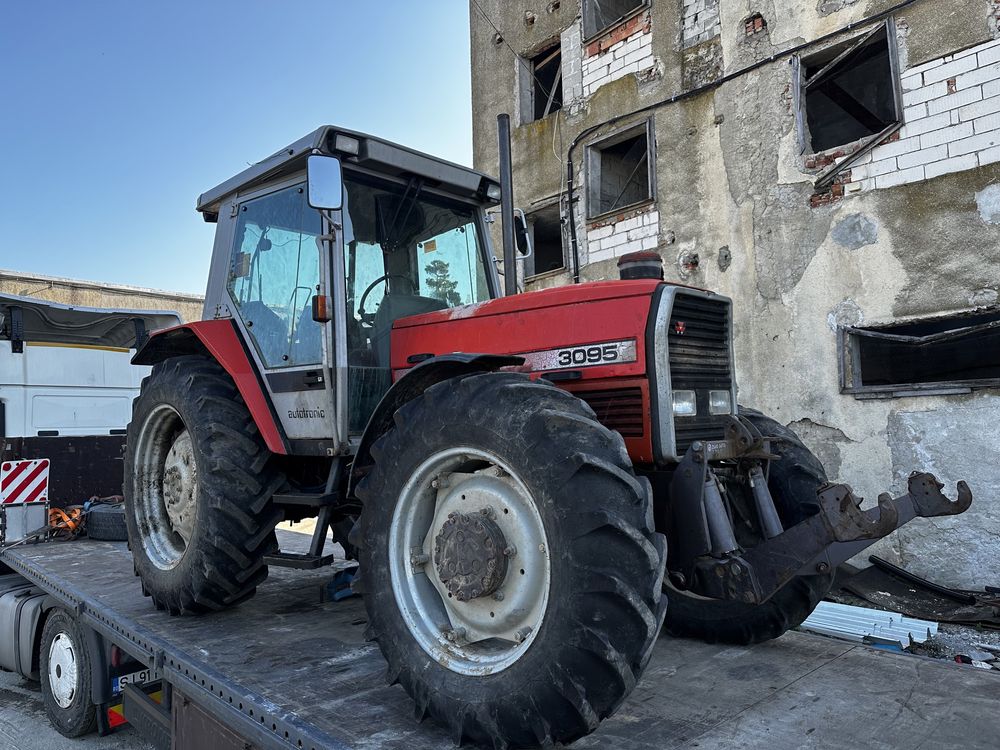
<point>510,471</point>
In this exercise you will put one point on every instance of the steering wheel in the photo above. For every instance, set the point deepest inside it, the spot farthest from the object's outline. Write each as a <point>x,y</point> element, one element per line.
<point>369,318</point>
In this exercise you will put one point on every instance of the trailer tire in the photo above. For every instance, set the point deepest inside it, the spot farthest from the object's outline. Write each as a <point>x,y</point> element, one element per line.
<point>793,483</point>
<point>107,523</point>
<point>595,558</point>
<point>64,670</point>
<point>197,466</point>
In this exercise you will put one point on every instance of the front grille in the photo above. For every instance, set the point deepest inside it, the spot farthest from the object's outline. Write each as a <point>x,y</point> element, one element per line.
<point>619,409</point>
<point>699,358</point>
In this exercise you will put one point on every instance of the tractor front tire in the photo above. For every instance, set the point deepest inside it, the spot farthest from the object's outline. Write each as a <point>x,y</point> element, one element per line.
<point>793,482</point>
<point>198,486</point>
<point>509,563</point>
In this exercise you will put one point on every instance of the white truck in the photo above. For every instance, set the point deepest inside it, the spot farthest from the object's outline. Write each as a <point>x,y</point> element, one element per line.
<point>66,390</point>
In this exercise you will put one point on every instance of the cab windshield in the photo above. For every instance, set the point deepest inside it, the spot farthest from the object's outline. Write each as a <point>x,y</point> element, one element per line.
<point>406,252</point>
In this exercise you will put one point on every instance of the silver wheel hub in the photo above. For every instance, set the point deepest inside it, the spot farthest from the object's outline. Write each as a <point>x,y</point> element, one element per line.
<point>166,487</point>
<point>469,561</point>
<point>180,483</point>
<point>63,672</point>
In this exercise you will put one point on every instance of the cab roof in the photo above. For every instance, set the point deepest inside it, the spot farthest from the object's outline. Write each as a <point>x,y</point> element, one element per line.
<point>374,153</point>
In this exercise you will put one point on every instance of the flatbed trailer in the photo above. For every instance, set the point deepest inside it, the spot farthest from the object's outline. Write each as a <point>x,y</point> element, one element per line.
<point>288,670</point>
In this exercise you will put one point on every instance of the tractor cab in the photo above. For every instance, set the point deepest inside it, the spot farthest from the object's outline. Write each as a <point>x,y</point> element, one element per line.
<point>346,229</point>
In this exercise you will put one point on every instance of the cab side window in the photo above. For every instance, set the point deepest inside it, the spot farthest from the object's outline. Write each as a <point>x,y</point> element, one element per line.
<point>274,272</point>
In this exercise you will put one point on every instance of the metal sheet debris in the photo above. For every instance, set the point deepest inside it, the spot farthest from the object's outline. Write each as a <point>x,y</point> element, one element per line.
<point>864,625</point>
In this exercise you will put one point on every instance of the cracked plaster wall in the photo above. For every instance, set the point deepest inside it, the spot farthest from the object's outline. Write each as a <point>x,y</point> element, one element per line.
<point>732,188</point>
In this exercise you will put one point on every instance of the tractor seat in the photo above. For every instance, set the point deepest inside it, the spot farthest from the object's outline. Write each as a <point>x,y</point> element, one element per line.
<point>393,307</point>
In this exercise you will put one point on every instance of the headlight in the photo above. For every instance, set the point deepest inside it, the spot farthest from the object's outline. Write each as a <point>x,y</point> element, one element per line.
<point>494,192</point>
<point>720,402</point>
<point>685,404</point>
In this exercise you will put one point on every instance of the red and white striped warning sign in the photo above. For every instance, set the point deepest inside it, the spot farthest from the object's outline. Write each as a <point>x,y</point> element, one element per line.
<point>24,481</point>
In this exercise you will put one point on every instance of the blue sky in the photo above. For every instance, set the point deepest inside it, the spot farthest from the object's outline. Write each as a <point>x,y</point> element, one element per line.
<point>115,115</point>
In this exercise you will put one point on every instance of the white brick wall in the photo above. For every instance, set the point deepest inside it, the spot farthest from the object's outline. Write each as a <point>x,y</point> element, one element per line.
<point>627,56</point>
<point>640,232</point>
<point>952,121</point>
<point>701,21</point>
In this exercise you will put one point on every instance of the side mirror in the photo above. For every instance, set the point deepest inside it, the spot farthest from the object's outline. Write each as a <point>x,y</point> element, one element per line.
<point>522,238</point>
<point>325,188</point>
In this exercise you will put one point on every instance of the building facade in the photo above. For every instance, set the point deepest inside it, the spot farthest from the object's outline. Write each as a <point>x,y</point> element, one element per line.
<point>97,294</point>
<point>831,165</point>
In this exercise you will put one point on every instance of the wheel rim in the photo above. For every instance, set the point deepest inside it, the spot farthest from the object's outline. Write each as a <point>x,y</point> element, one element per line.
<point>166,487</point>
<point>469,561</point>
<point>63,670</point>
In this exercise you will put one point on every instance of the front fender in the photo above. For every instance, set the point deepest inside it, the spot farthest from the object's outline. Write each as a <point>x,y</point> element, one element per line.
<point>411,385</point>
<point>219,340</point>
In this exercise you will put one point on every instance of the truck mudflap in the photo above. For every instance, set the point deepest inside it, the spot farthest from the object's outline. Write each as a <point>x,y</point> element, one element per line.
<point>840,530</point>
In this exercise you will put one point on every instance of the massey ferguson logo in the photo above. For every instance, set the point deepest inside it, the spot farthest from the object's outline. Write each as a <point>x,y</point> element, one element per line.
<point>679,327</point>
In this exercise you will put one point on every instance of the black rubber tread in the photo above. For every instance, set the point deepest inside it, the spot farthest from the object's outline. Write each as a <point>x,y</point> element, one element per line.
<point>107,523</point>
<point>235,519</point>
<point>793,482</point>
<point>81,716</point>
<point>605,607</point>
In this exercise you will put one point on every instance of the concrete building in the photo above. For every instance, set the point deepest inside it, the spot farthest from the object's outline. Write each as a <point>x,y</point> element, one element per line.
<point>831,165</point>
<point>98,294</point>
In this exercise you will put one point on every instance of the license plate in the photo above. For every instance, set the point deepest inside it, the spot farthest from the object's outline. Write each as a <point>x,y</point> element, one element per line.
<point>135,678</point>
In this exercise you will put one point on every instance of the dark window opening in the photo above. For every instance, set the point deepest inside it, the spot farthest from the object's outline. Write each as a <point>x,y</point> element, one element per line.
<point>620,172</point>
<point>962,351</point>
<point>849,92</point>
<point>600,15</point>
<point>546,82</point>
<point>547,242</point>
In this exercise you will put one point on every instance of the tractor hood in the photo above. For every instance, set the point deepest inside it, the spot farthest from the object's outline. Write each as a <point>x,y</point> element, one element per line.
<point>535,322</point>
<point>30,319</point>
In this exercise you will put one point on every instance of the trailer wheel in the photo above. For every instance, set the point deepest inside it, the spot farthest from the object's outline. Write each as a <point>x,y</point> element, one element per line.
<point>509,563</point>
<point>64,668</point>
<point>793,483</point>
<point>198,486</point>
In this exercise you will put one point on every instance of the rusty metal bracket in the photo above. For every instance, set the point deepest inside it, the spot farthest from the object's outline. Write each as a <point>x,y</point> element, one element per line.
<point>817,545</point>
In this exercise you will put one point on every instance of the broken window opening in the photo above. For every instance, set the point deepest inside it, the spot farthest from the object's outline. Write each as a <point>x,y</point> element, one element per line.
<point>601,15</point>
<point>546,82</point>
<point>849,93</point>
<point>548,253</point>
<point>620,171</point>
<point>940,355</point>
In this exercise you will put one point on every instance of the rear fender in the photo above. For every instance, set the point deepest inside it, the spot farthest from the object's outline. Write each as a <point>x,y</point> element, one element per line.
<point>411,385</point>
<point>219,340</point>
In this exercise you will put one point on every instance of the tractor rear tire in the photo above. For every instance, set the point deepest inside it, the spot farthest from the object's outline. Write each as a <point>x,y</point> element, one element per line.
<point>793,482</point>
<point>587,562</point>
<point>198,486</point>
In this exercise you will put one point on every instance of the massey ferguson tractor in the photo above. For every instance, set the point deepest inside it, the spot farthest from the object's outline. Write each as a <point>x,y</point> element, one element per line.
<point>530,482</point>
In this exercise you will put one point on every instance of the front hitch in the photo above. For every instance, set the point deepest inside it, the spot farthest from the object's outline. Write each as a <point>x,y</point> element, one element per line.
<point>817,545</point>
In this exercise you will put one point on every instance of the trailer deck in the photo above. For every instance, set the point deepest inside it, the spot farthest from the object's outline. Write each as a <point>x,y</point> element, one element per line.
<point>287,670</point>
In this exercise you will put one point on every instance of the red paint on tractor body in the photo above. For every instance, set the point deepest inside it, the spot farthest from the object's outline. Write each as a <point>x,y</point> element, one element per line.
<point>222,341</point>
<point>552,319</point>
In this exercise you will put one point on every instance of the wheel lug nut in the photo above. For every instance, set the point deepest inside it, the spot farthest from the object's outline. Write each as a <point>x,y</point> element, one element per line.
<point>419,559</point>
<point>454,635</point>
<point>510,550</point>
<point>498,596</point>
<point>522,634</point>
<point>489,512</point>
